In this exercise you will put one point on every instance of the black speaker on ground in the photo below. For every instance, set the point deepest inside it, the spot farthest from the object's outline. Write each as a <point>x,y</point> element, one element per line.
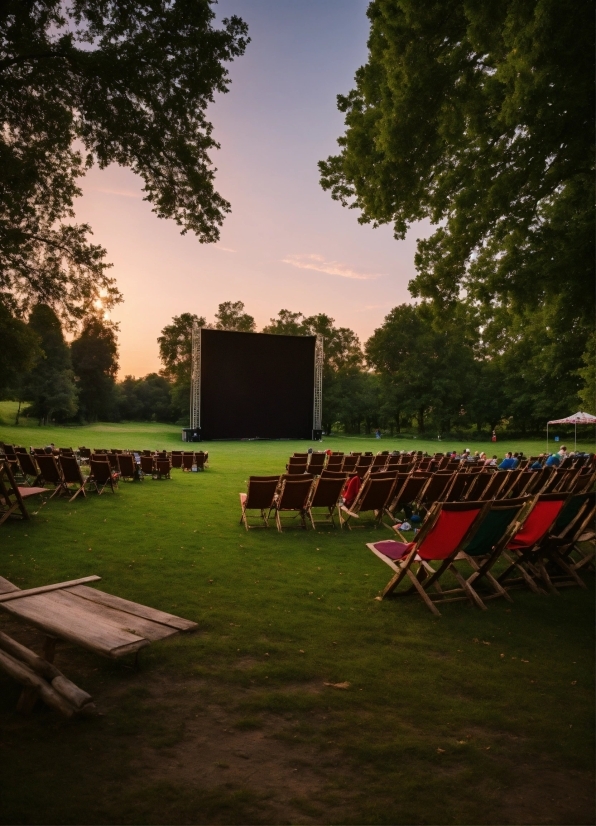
<point>191,434</point>
<point>317,435</point>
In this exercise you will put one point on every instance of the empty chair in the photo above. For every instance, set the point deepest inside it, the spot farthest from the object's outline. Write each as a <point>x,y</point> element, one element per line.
<point>326,493</point>
<point>162,469</point>
<point>447,528</point>
<point>459,486</point>
<point>29,469</point>
<point>259,497</point>
<point>177,459</point>
<point>292,498</point>
<point>335,461</point>
<point>297,469</point>
<point>12,496</point>
<point>349,464</point>
<point>406,496</point>
<point>316,463</point>
<point>71,475</point>
<point>128,467</point>
<point>101,476</point>
<point>334,474</point>
<point>51,473</point>
<point>380,460</point>
<point>435,488</point>
<point>200,461</point>
<point>84,454</point>
<point>147,465</point>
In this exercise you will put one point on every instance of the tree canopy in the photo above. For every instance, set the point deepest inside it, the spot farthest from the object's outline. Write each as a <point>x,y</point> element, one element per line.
<point>98,81</point>
<point>479,117</point>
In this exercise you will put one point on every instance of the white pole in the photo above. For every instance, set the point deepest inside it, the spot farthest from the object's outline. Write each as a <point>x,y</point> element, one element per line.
<point>575,445</point>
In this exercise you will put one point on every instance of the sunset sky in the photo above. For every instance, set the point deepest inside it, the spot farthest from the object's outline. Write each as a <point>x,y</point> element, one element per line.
<point>286,244</point>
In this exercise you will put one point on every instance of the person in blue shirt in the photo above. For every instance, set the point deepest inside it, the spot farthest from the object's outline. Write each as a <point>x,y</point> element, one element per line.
<point>553,460</point>
<point>508,463</point>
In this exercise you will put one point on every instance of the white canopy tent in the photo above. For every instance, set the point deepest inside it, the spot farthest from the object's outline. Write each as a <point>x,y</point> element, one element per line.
<point>575,419</point>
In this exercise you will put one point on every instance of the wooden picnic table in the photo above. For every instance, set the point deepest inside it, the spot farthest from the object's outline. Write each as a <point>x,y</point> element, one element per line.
<point>103,623</point>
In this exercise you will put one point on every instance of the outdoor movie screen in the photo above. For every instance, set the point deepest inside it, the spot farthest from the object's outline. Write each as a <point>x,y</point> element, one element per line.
<point>256,385</point>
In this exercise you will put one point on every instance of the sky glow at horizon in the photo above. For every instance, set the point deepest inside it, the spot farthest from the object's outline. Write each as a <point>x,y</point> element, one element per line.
<point>286,243</point>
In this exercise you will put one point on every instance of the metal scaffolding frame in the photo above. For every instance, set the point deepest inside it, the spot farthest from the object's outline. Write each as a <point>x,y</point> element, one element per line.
<point>195,377</point>
<point>317,417</point>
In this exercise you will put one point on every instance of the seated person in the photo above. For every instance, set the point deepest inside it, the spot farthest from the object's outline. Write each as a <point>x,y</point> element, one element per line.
<point>537,465</point>
<point>508,463</point>
<point>553,460</point>
<point>563,452</point>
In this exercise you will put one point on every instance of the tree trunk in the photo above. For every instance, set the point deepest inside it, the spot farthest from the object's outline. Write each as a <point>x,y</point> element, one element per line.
<point>397,423</point>
<point>420,419</point>
<point>16,421</point>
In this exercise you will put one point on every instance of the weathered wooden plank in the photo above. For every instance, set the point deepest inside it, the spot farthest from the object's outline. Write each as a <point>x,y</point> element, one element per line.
<point>42,589</point>
<point>6,586</point>
<point>134,608</point>
<point>74,624</point>
<point>118,619</point>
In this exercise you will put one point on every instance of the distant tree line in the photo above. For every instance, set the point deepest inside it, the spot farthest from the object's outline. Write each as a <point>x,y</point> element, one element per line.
<point>419,371</point>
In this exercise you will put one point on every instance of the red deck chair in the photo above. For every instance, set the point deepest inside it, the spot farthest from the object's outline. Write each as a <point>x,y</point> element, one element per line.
<point>326,493</point>
<point>522,553</point>
<point>71,473</point>
<point>374,495</point>
<point>573,528</point>
<point>101,476</point>
<point>29,469</point>
<point>448,526</point>
<point>260,496</point>
<point>292,497</point>
<point>12,496</point>
<point>51,473</point>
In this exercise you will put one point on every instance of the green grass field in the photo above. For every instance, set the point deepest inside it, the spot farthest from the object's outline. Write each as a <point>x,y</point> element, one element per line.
<point>476,717</point>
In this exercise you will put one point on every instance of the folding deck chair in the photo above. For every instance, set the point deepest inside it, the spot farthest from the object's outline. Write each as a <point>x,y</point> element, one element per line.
<point>101,476</point>
<point>407,495</point>
<point>326,493</point>
<point>349,464</point>
<point>575,524</point>
<point>162,469</point>
<point>128,467</point>
<point>448,526</point>
<point>435,488</point>
<point>12,497</point>
<point>260,496</point>
<point>522,553</point>
<point>373,496</point>
<point>292,497</point>
<point>501,522</point>
<point>335,461</point>
<point>51,473</point>
<point>71,474</point>
<point>29,469</point>
<point>316,463</point>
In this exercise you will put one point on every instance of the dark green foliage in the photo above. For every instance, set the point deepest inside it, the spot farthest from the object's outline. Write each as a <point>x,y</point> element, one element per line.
<point>95,363</point>
<point>19,350</point>
<point>148,399</point>
<point>479,117</point>
<point>427,368</point>
<point>50,385</point>
<point>230,316</point>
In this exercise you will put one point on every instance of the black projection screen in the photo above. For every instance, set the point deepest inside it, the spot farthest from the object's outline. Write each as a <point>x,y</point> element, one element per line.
<point>256,385</point>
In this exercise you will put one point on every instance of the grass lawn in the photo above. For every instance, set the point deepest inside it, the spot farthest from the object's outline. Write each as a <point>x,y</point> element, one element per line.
<point>476,717</point>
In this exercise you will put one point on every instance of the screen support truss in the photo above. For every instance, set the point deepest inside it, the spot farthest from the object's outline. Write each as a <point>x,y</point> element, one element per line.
<point>318,394</point>
<point>195,378</point>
